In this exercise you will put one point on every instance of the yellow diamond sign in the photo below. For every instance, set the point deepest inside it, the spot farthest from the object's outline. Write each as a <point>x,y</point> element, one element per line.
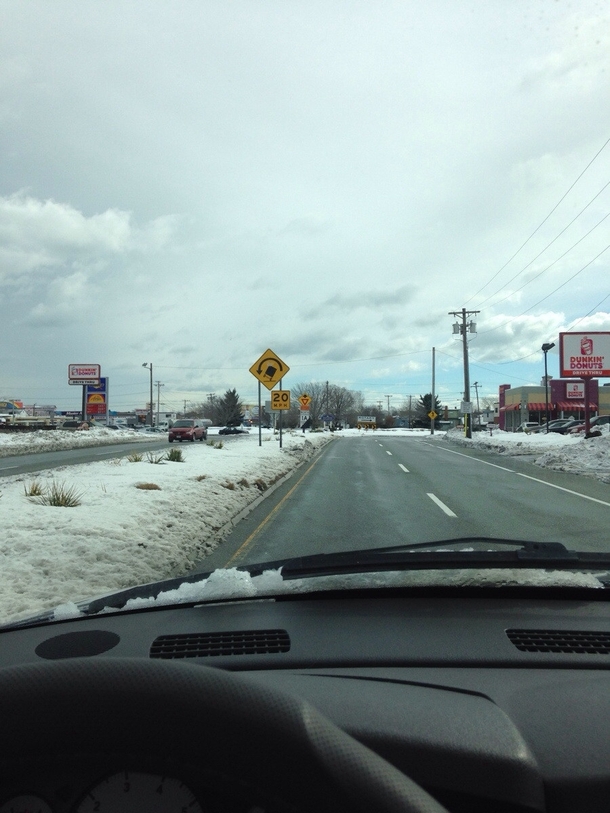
<point>432,415</point>
<point>269,369</point>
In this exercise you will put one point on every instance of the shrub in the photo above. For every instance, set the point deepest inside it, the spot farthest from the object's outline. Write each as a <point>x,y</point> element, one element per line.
<point>244,483</point>
<point>60,495</point>
<point>230,485</point>
<point>219,445</point>
<point>33,489</point>
<point>135,457</point>
<point>156,457</point>
<point>175,456</point>
<point>201,477</point>
<point>148,486</point>
<point>260,484</point>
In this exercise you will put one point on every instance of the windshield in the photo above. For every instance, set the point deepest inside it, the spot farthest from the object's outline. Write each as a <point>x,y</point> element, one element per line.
<point>360,248</point>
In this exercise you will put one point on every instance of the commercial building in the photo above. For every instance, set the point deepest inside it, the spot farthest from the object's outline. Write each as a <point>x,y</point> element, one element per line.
<point>566,400</point>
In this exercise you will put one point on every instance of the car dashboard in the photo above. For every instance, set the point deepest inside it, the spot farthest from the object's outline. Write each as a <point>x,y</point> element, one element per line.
<point>491,700</point>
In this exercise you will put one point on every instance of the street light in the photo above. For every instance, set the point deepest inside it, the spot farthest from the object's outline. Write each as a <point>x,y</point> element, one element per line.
<point>150,413</point>
<point>545,349</point>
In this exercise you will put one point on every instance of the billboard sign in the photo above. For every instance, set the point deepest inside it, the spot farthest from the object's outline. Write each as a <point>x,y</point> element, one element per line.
<point>84,373</point>
<point>584,355</point>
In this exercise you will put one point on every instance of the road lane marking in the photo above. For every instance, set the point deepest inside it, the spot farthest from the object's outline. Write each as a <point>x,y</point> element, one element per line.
<point>529,477</point>
<point>441,505</point>
<point>390,453</point>
<point>400,466</point>
<point>561,488</point>
<point>495,465</point>
<point>272,513</point>
<point>4,468</point>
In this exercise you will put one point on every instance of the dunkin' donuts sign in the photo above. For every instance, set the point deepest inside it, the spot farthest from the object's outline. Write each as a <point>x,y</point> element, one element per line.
<point>584,354</point>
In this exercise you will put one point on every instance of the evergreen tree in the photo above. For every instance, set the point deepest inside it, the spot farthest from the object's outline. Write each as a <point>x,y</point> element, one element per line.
<point>423,406</point>
<point>230,409</point>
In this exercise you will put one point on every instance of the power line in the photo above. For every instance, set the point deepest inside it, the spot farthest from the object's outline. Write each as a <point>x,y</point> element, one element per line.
<point>542,223</point>
<point>544,270</point>
<point>512,279</point>
<point>554,291</point>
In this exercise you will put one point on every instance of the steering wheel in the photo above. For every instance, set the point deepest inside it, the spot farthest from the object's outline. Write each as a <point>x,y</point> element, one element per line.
<point>196,715</point>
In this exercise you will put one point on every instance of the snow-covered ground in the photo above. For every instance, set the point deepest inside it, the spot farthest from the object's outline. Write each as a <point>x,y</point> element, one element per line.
<point>571,453</point>
<point>122,534</point>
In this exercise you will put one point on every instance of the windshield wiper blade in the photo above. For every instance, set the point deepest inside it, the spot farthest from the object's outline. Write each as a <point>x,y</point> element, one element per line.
<point>419,557</point>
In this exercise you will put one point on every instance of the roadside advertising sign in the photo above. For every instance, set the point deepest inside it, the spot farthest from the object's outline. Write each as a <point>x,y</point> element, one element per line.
<point>584,355</point>
<point>96,397</point>
<point>84,374</point>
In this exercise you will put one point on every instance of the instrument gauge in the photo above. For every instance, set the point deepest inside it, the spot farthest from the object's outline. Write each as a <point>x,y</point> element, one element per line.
<point>128,791</point>
<point>25,804</point>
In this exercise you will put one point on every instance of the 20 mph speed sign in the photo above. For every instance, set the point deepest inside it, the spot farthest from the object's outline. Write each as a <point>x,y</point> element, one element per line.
<point>280,399</point>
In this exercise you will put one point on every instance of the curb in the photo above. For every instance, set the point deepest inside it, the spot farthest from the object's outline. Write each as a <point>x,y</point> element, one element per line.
<point>222,532</point>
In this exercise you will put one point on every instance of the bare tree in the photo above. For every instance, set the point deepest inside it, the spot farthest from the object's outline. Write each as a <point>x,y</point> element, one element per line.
<point>317,392</point>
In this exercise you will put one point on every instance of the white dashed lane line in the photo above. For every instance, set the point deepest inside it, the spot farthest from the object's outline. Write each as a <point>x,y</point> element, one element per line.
<point>442,505</point>
<point>400,466</point>
<point>390,453</point>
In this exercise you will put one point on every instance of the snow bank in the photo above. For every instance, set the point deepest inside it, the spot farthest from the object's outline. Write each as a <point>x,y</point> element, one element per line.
<point>55,440</point>
<point>122,534</point>
<point>572,453</point>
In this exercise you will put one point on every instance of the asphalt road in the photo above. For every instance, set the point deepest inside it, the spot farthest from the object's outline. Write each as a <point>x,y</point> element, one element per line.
<point>25,463</point>
<point>378,491</point>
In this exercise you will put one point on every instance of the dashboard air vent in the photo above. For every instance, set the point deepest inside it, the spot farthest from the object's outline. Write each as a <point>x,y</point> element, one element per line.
<point>214,644</point>
<point>577,642</point>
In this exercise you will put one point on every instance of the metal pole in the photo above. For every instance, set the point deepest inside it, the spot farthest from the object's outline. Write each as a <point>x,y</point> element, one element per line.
<point>151,394</point>
<point>281,413</point>
<point>432,398</point>
<point>546,392</point>
<point>587,382</point>
<point>466,373</point>
<point>260,431</point>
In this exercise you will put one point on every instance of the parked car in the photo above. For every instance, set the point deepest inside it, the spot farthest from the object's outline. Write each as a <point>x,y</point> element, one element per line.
<point>595,423</point>
<point>233,430</point>
<point>187,429</point>
<point>528,426</point>
<point>563,430</point>
<point>557,422</point>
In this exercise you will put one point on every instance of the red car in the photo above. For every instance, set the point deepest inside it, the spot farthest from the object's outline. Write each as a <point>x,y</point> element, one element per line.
<point>187,429</point>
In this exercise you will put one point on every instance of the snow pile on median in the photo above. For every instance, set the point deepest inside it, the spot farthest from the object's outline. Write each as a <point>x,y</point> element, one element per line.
<point>121,535</point>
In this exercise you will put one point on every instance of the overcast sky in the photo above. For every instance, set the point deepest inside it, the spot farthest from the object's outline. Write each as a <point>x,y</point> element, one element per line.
<point>189,183</point>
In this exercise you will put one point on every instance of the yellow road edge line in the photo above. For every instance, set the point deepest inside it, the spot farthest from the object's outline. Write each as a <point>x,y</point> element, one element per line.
<point>272,513</point>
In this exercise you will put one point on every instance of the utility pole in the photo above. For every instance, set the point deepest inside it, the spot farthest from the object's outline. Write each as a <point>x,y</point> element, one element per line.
<point>410,399</point>
<point>388,397</point>
<point>184,410</point>
<point>432,395</point>
<point>476,386</point>
<point>464,328</point>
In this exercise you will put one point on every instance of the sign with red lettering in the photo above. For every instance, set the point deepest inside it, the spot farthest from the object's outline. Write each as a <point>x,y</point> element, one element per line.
<point>584,355</point>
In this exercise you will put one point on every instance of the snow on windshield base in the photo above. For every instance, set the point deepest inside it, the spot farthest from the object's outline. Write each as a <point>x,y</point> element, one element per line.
<point>231,584</point>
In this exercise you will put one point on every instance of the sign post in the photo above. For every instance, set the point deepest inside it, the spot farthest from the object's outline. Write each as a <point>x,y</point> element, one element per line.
<point>268,369</point>
<point>83,374</point>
